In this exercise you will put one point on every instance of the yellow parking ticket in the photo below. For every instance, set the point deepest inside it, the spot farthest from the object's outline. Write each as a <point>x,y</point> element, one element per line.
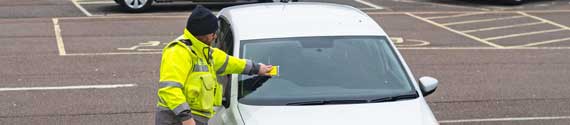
<point>274,71</point>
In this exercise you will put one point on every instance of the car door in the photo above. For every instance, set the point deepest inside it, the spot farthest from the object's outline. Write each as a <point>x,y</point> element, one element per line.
<point>225,42</point>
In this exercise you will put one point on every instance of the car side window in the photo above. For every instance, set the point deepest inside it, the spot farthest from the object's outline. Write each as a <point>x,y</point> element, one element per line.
<point>220,36</point>
<point>225,42</point>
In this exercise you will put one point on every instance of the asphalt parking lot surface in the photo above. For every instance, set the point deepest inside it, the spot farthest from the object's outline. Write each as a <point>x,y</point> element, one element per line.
<point>88,62</point>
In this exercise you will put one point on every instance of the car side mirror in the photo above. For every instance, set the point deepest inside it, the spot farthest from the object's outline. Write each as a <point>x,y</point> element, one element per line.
<point>428,85</point>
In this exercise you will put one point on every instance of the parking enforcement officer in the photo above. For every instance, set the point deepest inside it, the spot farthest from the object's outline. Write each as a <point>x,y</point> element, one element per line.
<point>188,87</point>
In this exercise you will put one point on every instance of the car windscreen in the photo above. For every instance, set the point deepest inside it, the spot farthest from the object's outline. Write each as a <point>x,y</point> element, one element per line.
<point>323,68</point>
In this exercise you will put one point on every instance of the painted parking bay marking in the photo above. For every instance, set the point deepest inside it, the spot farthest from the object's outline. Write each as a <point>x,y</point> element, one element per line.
<point>455,31</point>
<point>495,40</point>
<point>140,46</point>
<point>505,119</point>
<point>62,48</point>
<point>69,87</point>
<point>400,41</point>
<point>373,6</point>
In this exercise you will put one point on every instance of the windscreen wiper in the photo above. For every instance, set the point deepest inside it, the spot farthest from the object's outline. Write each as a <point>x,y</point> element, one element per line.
<point>396,98</point>
<point>327,102</point>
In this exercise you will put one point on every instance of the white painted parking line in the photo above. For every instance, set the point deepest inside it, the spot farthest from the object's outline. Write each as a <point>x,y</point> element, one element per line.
<point>126,16</point>
<point>460,12</point>
<point>545,20</point>
<point>69,87</point>
<point>369,4</point>
<point>96,2</point>
<point>400,42</point>
<point>369,9</point>
<point>58,38</point>
<point>523,34</point>
<point>152,50</point>
<point>455,31</point>
<point>503,27</point>
<point>110,54</point>
<point>444,5</point>
<point>482,20</point>
<point>483,48</point>
<point>453,16</point>
<point>81,8</point>
<point>399,47</point>
<point>545,42</point>
<point>505,119</point>
<point>490,39</point>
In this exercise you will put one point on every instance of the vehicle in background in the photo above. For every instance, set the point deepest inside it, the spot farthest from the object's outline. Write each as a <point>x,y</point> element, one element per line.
<point>513,2</point>
<point>142,5</point>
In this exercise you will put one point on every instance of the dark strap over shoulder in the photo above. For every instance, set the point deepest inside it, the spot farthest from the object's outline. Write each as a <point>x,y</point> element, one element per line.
<point>187,42</point>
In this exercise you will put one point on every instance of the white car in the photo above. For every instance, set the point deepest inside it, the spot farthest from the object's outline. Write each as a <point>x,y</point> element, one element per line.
<point>336,67</point>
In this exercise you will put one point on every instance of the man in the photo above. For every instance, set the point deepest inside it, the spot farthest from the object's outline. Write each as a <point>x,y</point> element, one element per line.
<point>188,87</point>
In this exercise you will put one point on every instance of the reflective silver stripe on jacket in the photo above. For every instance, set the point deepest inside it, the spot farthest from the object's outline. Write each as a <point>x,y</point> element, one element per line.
<point>248,67</point>
<point>203,112</point>
<point>160,108</point>
<point>200,68</point>
<point>169,84</point>
<point>181,107</point>
<point>223,68</point>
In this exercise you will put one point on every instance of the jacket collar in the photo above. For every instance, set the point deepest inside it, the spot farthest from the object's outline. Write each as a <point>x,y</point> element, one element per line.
<point>195,42</point>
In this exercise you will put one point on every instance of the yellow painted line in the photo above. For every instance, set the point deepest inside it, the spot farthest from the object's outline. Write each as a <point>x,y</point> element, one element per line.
<point>68,87</point>
<point>81,8</point>
<point>147,50</point>
<point>507,119</point>
<point>460,12</point>
<point>522,34</point>
<point>433,12</point>
<point>455,31</point>
<point>58,38</point>
<point>502,27</point>
<point>483,20</point>
<point>108,54</point>
<point>370,8</point>
<point>543,42</point>
<point>185,15</point>
<point>545,11</point>
<point>417,43</point>
<point>369,4</point>
<point>444,5</point>
<point>545,20</point>
<point>453,16</point>
<point>95,2</point>
<point>563,27</point>
<point>126,16</point>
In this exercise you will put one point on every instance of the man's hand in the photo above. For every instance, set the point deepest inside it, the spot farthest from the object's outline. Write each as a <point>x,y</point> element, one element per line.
<point>189,122</point>
<point>264,69</point>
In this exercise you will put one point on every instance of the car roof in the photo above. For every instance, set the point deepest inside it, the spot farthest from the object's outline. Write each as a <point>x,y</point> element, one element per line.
<point>298,19</point>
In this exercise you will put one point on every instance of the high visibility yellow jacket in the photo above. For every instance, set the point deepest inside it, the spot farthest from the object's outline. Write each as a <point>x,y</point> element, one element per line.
<point>188,76</point>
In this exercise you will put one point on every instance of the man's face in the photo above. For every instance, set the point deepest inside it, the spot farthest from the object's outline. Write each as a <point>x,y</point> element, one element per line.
<point>209,38</point>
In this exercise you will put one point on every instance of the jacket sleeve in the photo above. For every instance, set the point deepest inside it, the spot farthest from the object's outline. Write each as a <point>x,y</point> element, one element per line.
<point>226,64</point>
<point>174,69</point>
